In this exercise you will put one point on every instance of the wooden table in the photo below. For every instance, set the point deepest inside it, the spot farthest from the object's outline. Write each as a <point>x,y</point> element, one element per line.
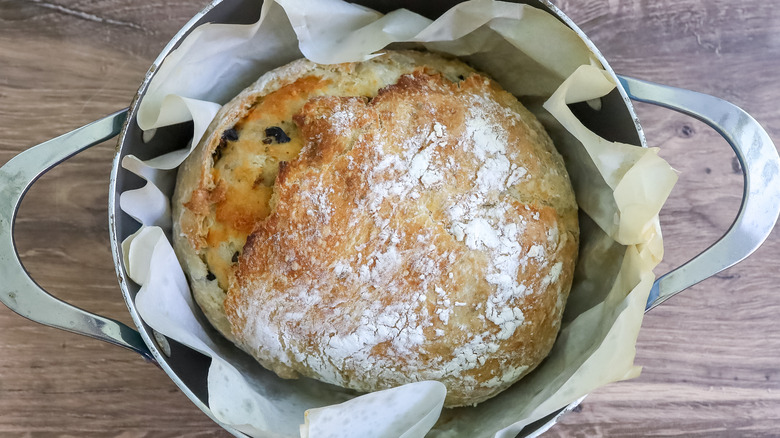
<point>711,356</point>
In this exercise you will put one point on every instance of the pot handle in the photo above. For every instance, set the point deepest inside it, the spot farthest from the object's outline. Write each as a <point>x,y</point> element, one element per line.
<point>760,164</point>
<point>18,290</point>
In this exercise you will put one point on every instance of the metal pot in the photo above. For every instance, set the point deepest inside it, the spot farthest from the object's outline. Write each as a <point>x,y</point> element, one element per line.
<point>757,215</point>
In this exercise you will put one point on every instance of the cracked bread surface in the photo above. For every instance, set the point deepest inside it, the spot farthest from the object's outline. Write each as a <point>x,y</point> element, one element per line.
<point>378,223</point>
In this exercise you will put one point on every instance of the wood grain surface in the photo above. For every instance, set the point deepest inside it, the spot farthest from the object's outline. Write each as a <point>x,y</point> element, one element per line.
<point>711,356</point>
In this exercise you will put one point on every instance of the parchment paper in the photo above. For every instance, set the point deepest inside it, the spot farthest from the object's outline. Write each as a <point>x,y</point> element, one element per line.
<point>620,189</point>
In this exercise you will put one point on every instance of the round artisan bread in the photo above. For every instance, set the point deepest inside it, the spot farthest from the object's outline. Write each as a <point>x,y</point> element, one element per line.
<point>378,223</point>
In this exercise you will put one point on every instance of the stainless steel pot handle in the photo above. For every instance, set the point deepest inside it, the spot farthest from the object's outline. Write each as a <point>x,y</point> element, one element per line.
<point>761,195</point>
<point>18,290</point>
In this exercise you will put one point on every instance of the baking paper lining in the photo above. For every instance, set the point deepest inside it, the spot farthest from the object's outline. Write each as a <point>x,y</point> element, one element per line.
<point>620,189</point>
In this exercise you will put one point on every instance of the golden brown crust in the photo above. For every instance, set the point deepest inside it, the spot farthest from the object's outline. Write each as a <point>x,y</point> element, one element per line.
<point>425,230</point>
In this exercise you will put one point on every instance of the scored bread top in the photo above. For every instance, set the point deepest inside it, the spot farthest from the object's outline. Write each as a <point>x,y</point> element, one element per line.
<point>378,223</point>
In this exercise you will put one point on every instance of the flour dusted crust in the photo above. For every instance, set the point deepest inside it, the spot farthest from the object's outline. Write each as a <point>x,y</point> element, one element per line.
<point>380,223</point>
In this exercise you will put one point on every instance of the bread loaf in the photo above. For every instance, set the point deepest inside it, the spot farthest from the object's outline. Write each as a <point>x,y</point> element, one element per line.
<point>377,223</point>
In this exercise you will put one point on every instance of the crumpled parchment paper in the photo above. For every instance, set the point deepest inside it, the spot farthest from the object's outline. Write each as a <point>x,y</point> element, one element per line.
<point>620,190</point>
